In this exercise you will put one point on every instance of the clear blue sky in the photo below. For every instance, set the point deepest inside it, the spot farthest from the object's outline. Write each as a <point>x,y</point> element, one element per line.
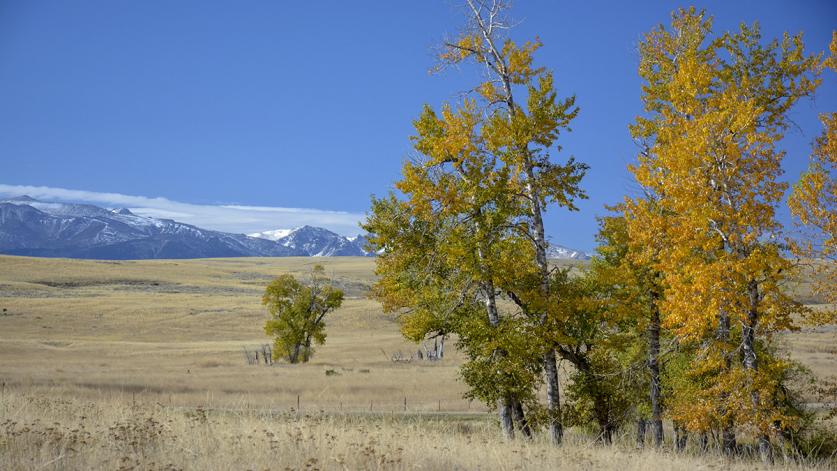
<point>310,104</point>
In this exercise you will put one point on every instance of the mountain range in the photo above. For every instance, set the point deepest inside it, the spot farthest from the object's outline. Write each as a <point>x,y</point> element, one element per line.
<point>49,229</point>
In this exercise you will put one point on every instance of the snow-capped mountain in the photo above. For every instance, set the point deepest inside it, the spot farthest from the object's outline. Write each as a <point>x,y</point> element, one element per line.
<point>272,235</point>
<point>560,252</point>
<point>31,227</point>
<point>316,242</point>
<point>48,229</point>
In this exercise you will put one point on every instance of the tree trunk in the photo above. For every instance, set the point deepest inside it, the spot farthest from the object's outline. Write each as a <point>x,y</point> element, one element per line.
<point>654,373</point>
<point>681,437</point>
<point>605,429</point>
<point>504,408</point>
<point>602,412</point>
<point>640,433</point>
<point>605,433</point>
<point>748,349</point>
<point>704,442</point>
<point>728,442</point>
<point>294,355</point>
<point>553,398</point>
<point>504,405</point>
<point>520,419</point>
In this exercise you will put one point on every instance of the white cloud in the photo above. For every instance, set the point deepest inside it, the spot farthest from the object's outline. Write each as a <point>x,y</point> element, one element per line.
<point>227,218</point>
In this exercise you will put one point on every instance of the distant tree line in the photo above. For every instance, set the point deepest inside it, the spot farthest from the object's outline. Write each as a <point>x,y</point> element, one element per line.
<point>676,316</point>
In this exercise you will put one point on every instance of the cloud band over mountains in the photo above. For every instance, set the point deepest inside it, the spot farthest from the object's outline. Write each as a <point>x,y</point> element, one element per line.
<point>225,217</point>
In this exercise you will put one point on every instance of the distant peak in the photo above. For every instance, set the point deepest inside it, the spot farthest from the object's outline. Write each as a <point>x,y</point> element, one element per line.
<point>124,211</point>
<point>272,235</point>
<point>25,198</point>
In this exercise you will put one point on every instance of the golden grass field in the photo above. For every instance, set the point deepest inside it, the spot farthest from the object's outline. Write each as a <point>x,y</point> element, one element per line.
<point>139,365</point>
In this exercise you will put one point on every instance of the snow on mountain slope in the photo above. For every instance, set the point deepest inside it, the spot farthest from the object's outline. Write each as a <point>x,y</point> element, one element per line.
<point>30,227</point>
<point>272,235</point>
<point>564,253</point>
<point>319,242</point>
<point>49,229</point>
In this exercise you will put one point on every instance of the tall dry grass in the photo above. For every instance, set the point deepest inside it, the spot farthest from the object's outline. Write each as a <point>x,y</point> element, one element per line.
<point>43,432</point>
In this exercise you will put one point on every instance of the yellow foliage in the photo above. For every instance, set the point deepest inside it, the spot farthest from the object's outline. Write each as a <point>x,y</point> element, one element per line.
<point>711,167</point>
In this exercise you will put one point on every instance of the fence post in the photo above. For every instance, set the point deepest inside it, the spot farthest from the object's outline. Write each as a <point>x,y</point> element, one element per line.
<point>297,404</point>
<point>405,403</point>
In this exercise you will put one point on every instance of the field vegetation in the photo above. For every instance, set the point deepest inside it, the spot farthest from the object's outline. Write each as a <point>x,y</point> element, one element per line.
<point>139,365</point>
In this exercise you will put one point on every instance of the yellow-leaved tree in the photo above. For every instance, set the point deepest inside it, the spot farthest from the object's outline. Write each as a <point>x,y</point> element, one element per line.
<point>521,134</point>
<point>483,178</point>
<point>715,109</point>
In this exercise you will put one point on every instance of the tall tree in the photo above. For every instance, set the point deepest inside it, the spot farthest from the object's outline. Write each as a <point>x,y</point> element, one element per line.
<point>522,138</point>
<point>715,110</point>
<point>445,246</point>
<point>484,169</point>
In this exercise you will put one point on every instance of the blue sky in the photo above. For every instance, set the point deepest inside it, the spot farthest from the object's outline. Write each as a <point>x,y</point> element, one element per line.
<point>194,105</point>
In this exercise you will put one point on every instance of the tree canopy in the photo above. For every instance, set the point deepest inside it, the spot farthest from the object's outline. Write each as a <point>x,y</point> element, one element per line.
<point>297,313</point>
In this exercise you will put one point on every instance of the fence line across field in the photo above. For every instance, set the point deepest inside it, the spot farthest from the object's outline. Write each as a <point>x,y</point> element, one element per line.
<point>373,409</point>
<point>299,405</point>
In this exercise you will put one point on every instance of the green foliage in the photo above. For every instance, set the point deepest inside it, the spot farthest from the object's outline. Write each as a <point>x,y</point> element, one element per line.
<point>431,274</point>
<point>297,313</point>
<point>504,360</point>
<point>607,374</point>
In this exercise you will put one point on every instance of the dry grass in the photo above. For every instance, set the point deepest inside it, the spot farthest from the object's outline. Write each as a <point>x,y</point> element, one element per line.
<point>106,363</point>
<point>39,432</point>
<point>175,330</point>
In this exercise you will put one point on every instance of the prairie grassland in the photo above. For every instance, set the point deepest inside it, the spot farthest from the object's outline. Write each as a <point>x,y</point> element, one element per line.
<point>139,364</point>
<point>41,432</point>
<point>176,330</point>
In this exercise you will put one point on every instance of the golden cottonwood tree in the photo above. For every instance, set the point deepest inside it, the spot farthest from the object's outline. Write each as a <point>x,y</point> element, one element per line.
<point>522,135</point>
<point>483,178</point>
<point>715,110</point>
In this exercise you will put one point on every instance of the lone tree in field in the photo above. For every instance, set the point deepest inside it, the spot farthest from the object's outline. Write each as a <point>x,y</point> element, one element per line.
<point>297,313</point>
